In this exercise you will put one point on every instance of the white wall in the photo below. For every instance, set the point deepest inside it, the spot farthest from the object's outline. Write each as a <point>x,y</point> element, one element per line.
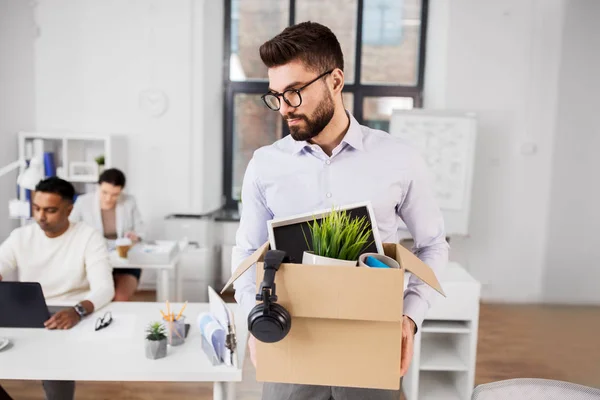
<point>16,93</point>
<point>94,60</point>
<point>501,60</point>
<point>573,253</point>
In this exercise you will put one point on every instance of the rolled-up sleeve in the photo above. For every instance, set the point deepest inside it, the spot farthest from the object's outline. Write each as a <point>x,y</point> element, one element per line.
<point>424,220</point>
<point>251,234</point>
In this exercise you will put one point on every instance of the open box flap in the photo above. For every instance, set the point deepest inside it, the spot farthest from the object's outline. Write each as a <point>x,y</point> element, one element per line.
<point>247,263</point>
<point>412,263</point>
<point>405,257</point>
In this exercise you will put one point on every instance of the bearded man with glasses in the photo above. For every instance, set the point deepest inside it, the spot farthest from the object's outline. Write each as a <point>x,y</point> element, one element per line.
<point>330,160</point>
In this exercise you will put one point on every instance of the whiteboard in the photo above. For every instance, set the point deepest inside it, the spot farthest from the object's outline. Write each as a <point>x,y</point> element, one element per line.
<point>446,140</point>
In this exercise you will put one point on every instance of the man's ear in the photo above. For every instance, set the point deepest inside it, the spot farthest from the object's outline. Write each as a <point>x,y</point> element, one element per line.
<point>338,80</point>
<point>69,209</point>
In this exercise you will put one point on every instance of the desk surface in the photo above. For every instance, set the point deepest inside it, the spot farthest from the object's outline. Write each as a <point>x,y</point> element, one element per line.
<point>118,262</point>
<point>116,353</point>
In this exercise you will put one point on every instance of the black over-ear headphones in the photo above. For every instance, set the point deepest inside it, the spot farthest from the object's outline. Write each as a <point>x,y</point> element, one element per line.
<point>268,321</point>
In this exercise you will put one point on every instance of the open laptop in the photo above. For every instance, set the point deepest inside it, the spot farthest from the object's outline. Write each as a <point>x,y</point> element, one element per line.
<point>23,305</point>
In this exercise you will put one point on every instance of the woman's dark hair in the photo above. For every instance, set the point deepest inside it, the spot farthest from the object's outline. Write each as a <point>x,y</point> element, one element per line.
<point>113,176</point>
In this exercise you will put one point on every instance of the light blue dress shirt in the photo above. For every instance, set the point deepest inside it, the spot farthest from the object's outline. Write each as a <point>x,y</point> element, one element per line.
<point>290,177</point>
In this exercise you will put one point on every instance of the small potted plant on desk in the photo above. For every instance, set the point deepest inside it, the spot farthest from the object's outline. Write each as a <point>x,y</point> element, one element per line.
<point>156,341</point>
<point>338,239</point>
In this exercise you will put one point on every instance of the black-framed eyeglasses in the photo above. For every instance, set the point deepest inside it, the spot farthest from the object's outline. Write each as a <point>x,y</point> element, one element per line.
<point>104,321</point>
<point>291,96</point>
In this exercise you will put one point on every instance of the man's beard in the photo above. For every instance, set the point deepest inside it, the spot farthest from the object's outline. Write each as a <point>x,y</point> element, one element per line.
<point>313,126</point>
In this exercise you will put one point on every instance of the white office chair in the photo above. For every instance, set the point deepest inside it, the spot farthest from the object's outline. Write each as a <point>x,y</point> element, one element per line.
<point>534,389</point>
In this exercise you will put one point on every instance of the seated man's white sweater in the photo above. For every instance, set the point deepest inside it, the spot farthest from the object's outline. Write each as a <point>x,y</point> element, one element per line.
<point>70,268</point>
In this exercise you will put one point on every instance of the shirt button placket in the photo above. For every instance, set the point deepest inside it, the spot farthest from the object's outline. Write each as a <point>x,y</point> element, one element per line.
<point>328,179</point>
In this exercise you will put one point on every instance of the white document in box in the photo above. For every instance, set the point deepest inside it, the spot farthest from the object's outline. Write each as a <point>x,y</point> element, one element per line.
<point>219,349</point>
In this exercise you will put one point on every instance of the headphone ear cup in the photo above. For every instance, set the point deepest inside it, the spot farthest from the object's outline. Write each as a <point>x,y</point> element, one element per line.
<point>256,312</point>
<point>269,328</point>
<point>284,317</point>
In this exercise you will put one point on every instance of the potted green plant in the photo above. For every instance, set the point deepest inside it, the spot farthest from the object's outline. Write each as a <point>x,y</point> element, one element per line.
<point>156,341</point>
<point>337,239</point>
<point>100,161</point>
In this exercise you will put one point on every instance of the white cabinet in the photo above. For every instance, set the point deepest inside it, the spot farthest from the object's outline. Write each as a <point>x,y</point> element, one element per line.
<point>198,266</point>
<point>444,357</point>
<point>228,230</point>
<point>199,263</point>
<point>73,152</point>
<point>71,156</point>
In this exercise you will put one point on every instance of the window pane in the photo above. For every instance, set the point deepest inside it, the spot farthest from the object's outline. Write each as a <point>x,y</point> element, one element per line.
<point>254,126</point>
<point>340,17</point>
<point>390,35</point>
<point>348,101</point>
<point>253,22</point>
<point>377,111</point>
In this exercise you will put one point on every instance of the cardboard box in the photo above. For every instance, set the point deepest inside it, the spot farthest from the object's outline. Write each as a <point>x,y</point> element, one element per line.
<point>346,322</point>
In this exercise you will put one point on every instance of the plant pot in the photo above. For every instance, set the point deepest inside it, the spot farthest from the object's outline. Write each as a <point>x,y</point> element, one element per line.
<point>310,258</point>
<point>156,349</point>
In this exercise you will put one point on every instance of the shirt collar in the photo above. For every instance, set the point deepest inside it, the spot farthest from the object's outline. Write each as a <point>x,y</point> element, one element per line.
<point>353,137</point>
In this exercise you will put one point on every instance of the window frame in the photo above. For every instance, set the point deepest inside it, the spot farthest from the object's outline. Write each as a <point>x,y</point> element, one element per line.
<point>360,91</point>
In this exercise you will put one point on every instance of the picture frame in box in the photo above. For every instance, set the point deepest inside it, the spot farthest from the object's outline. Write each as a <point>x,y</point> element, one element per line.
<point>288,233</point>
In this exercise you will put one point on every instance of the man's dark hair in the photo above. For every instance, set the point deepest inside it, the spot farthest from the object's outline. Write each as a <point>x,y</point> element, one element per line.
<point>113,176</point>
<point>57,186</point>
<point>312,43</point>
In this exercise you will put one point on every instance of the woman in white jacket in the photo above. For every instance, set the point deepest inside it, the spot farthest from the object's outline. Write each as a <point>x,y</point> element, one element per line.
<point>116,215</point>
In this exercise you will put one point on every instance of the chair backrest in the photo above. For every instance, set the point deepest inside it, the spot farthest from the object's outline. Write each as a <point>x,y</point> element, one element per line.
<point>534,389</point>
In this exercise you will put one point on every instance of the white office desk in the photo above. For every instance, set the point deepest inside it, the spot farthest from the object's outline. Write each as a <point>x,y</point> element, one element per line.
<point>163,291</point>
<point>117,353</point>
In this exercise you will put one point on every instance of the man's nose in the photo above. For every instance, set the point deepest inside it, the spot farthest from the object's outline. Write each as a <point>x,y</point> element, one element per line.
<point>285,109</point>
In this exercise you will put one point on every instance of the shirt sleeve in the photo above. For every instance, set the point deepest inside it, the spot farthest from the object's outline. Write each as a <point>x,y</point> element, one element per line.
<point>251,234</point>
<point>425,222</point>
<point>99,272</point>
<point>8,257</point>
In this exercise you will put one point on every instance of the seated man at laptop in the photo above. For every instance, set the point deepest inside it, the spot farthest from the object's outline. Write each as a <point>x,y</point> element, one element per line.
<point>68,259</point>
